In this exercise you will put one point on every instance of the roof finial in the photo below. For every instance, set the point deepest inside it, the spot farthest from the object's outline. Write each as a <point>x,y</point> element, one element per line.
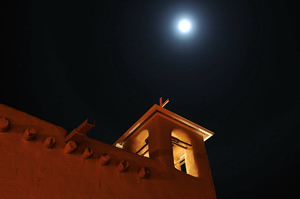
<point>162,104</point>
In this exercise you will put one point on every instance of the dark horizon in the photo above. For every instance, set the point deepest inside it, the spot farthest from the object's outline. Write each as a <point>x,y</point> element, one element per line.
<point>237,76</point>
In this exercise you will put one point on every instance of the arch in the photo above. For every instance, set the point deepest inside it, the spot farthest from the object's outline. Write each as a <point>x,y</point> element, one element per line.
<point>181,143</point>
<point>189,152</point>
<point>138,143</point>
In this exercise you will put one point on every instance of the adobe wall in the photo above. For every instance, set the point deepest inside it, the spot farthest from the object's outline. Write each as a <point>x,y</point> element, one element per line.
<point>30,170</point>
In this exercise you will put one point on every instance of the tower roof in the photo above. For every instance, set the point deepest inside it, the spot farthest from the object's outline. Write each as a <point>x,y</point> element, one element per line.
<point>158,110</point>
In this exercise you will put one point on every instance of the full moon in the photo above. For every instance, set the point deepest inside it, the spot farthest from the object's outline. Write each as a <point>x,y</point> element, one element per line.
<point>184,25</point>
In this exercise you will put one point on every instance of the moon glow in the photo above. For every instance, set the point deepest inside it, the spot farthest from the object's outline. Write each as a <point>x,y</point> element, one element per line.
<point>184,26</point>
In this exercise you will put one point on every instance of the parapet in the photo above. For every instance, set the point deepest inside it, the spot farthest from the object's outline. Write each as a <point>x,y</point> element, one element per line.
<point>37,162</point>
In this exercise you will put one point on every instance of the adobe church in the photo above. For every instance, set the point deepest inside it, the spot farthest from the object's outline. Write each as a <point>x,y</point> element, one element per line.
<point>161,156</point>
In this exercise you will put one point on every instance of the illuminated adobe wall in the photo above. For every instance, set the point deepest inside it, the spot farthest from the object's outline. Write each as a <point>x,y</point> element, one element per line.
<point>33,166</point>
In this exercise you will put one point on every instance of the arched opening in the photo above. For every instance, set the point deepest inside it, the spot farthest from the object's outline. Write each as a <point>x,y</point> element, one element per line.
<point>180,144</point>
<point>138,143</point>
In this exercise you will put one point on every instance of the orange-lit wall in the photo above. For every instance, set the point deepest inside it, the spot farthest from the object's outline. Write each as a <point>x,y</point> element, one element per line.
<point>30,170</point>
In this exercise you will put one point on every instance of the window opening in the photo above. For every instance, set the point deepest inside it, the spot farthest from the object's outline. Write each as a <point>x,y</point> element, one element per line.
<point>179,148</point>
<point>144,150</point>
<point>183,168</point>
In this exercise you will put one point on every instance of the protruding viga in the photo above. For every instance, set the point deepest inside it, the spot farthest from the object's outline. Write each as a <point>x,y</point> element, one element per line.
<point>104,159</point>
<point>123,165</point>
<point>4,124</point>
<point>29,134</point>
<point>49,142</point>
<point>87,153</point>
<point>70,147</point>
<point>144,172</point>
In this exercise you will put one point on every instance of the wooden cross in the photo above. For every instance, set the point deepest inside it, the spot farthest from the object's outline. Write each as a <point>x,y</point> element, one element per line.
<point>162,104</point>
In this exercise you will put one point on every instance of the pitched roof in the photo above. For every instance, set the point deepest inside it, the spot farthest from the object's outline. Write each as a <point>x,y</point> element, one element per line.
<point>155,110</point>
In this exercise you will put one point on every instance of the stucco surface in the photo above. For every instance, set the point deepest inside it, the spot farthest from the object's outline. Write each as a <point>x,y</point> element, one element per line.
<point>30,170</point>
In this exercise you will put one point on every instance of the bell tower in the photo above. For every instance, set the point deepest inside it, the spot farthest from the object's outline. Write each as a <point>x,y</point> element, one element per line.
<point>171,140</point>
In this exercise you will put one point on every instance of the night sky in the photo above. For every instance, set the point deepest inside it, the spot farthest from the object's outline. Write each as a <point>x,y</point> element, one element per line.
<point>236,74</point>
